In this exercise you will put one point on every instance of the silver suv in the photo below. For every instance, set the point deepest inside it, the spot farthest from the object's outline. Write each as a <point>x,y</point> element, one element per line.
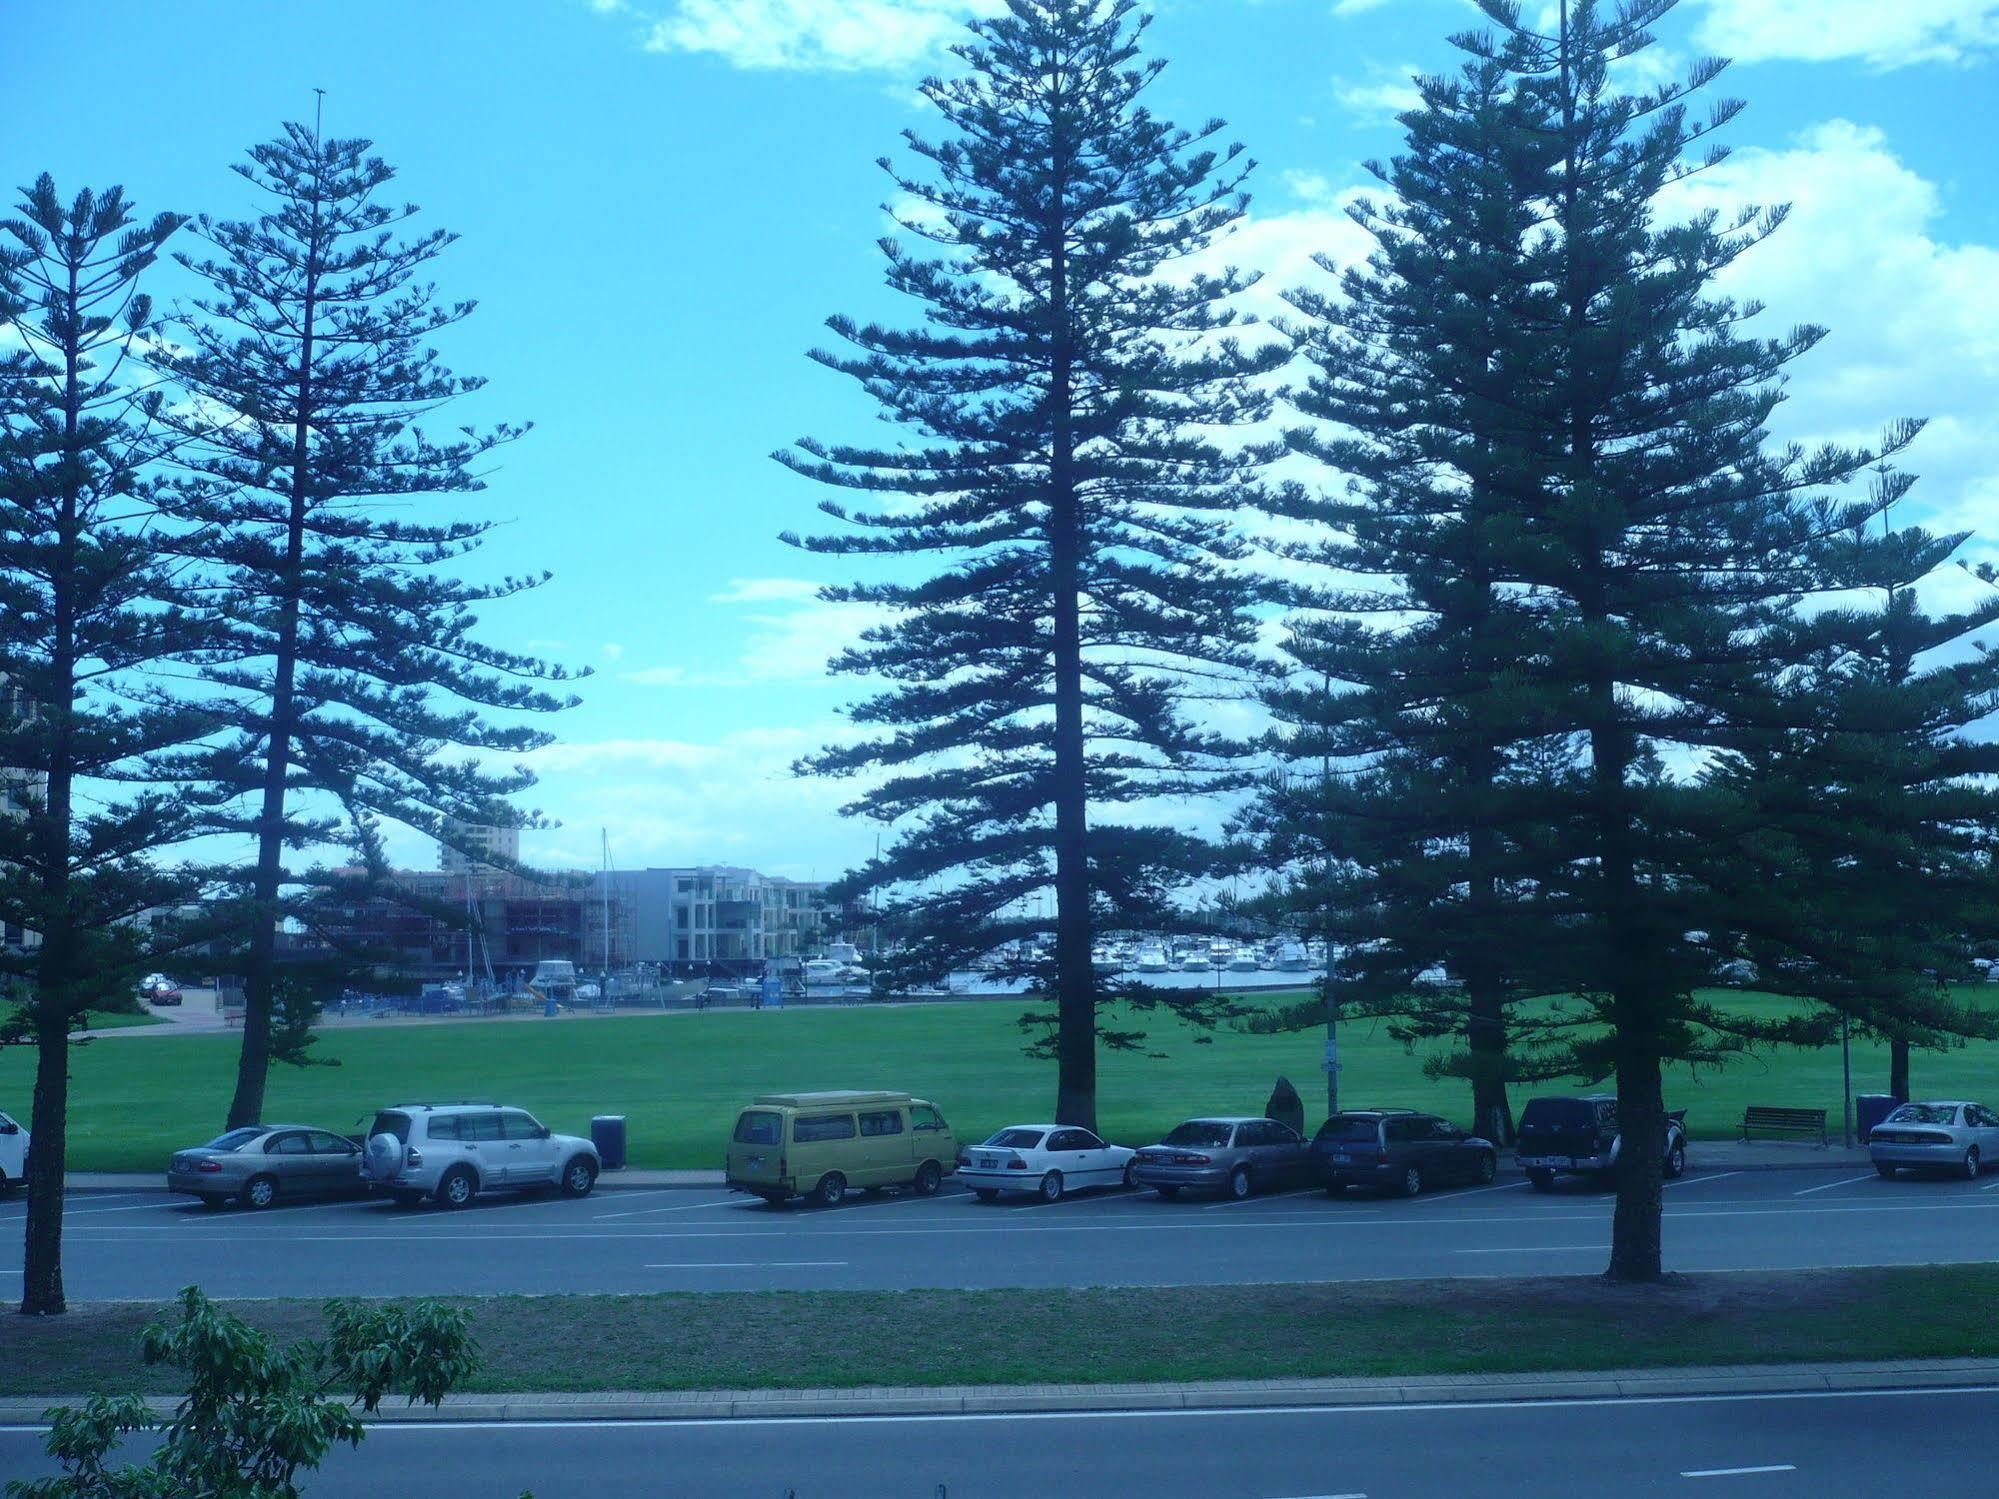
<point>451,1152</point>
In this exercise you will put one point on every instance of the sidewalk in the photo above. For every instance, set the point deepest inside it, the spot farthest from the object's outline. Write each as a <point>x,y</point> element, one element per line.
<point>1616,1384</point>
<point>1706,1156</point>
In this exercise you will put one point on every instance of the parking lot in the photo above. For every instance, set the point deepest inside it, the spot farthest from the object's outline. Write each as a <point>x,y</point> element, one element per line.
<point>146,1245</point>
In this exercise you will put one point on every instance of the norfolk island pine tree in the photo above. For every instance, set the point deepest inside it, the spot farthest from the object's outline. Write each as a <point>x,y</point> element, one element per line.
<point>1676,538</point>
<point>353,686</point>
<point>90,613</point>
<point>1406,829</point>
<point>1066,384</point>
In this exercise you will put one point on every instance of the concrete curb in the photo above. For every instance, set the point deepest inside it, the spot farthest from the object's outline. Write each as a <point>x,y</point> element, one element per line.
<point>744,1405</point>
<point>643,1179</point>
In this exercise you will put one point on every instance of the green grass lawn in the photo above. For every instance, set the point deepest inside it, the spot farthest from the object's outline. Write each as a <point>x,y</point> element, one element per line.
<point>792,1340</point>
<point>681,1078</point>
<point>120,1020</point>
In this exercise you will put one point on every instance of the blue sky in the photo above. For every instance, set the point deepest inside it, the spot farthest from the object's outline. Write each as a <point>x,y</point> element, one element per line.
<point>661,200</point>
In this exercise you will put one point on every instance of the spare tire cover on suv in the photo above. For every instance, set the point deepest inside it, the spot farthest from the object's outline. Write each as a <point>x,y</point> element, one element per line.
<point>383,1157</point>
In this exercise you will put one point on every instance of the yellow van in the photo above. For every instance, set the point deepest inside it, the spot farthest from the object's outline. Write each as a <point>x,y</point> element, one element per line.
<point>819,1145</point>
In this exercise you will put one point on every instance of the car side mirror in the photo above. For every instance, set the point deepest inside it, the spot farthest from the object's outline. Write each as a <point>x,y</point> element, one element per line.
<point>541,1132</point>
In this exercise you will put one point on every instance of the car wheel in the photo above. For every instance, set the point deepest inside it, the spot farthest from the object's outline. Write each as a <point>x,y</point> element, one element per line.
<point>1412,1182</point>
<point>1886,1171</point>
<point>1239,1183</point>
<point>1972,1165</point>
<point>929,1177</point>
<point>406,1199</point>
<point>986,1194</point>
<point>1169,1193</point>
<point>1676,1161</point>
<point>1488,1167</point>
<point>259,1192</point>
<point>831,1191</point>
<point>1051,1187</point>
<point>6,1185</point>
<point>578,1177</point>
<point>1131,1173</point>
<point>458,1188</point>
<point>1544,1181</point>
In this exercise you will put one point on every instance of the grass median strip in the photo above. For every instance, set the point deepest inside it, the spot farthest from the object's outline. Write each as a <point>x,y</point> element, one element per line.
<point>840,1339</point>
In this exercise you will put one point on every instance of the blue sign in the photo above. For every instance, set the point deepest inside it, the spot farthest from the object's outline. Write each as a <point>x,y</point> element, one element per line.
<point>773,992</point>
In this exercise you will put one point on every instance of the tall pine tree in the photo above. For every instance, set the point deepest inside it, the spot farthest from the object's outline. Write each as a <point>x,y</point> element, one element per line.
<point>88,617</point>
<point>1416,731</point>
<point>1874,805</point>
<point>1069,384</point>
<point>352,679</point>
<point>1673,538</point>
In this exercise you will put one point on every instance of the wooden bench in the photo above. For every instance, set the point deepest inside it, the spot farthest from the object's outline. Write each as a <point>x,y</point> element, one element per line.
<point>1785,1122</point>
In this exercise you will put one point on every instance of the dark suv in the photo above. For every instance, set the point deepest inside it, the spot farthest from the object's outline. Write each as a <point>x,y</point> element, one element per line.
<point>1580,1136</point>
<point>1398,1150</point>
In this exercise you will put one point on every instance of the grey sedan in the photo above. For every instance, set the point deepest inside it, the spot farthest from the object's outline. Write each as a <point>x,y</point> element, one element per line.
<point>1232,1156</point>
<point>261,1164</point>
<point>1950,1136</point>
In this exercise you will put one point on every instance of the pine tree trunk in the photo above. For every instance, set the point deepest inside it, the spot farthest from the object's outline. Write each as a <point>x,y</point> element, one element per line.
<point>41,1270</point>
<point>1076,979</point>
<point>1637,1251</point>
<point>1898,1068</point>
<point>260,979</point>
<point>1485,1036</point>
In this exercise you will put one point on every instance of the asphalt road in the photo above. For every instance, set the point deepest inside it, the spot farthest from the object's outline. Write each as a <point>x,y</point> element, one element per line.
<point>145,1246</point>
<point>1756,1447</point>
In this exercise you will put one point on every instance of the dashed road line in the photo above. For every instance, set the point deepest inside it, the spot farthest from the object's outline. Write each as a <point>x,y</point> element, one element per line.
<point>1740,1472</point>
<point>1701,1181</point>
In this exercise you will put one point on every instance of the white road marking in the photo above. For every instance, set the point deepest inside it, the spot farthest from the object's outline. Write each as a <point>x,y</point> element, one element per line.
<point>1843,1182</point>
<point>751,1265</point>
<point>1471,1192</point>
<point>1215,1207</point>
<point>1992,1188</point>
<point>1701,1181</point>
<point>1740,1472</point>
<point>1541,1249</point>
<point>685,1207</point>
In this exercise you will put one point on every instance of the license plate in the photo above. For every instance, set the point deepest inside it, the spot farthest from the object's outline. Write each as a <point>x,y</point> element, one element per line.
<point>989,1162</point>
<point>1341,1158</point>
<point>183,1165</point>
<point>753,1161</point>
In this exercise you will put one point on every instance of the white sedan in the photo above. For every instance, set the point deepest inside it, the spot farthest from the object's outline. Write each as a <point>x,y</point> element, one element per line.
<point>13,1155</point>
<point>1046,1159</point>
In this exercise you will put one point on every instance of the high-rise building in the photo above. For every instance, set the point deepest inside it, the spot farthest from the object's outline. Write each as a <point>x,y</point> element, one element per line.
<point>482,846</point>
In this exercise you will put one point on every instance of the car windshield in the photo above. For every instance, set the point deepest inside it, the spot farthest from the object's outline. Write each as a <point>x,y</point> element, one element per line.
<point>236,1139</point>
<point>1924,1113</point>
<point>760,1129</point>
<point>1016,1139</point>
<point>1200,1132</point>
<point>1349,1131</point>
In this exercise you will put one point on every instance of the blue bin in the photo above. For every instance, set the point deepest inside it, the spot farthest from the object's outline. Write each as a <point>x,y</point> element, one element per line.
<point>607,1133</point>
<point>1869,1109</point>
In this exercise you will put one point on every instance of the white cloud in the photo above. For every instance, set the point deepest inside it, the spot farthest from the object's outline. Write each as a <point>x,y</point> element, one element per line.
<point>764,590</point>
<point>1386,92</point>
<point>1356,7</point>
<point>1884,33</point>
<point>829,35</point>
<point>1914,318</point>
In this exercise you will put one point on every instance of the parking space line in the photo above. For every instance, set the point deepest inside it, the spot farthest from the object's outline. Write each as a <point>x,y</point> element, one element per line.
<point>1541,1249</point>
<point>1215,1207</point>
<point>683,1207</point>
<point>1740,1472</point>
<point>1993,1187</point>
<point>1701,1181</point>
<point>1827,1187</point>
<point>1467,1192</point>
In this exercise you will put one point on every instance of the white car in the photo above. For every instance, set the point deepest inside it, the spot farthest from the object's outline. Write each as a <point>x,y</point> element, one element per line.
<point>13,1154</point>
<point>1046,1159</point>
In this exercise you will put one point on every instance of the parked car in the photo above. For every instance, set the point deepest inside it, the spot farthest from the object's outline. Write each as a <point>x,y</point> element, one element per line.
<point>1399,1150</point>
<point>13,1154</point>
<point>1579,1136</point>
<point>162,990</point>
<point>453,1152</point>
<point>1954,1136</point>
<point>262,1164</point>
<point>818,1145</point>
<point>1048,1159</point>
<point>1232,1156</point>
